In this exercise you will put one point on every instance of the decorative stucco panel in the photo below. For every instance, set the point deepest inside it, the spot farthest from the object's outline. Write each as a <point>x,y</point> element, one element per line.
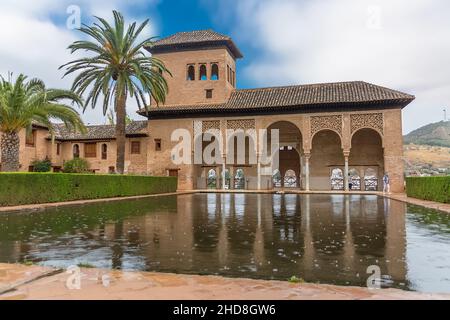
<point>241,124</point>
<point>368,120</point>
<point>331,122</point>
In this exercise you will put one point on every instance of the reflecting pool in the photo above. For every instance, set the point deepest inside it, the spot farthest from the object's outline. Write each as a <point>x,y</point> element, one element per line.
<point>318,238</point>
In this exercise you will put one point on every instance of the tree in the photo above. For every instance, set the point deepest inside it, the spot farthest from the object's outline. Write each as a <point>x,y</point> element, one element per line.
<point>23,102</point>
<point>115,69</point>
<point>112,120</point>
<point>42,165</point>
<point>77,165</point>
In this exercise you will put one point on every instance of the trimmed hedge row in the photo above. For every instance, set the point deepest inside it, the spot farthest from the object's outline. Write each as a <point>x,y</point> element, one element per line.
<point>31,188</point>
<point>429,188</point>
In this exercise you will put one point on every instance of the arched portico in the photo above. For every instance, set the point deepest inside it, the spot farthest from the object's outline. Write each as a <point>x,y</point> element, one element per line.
<point>326,157</point>
<point>367,158</point>
<point>289,154</point>
<point>310,147</point>
<point>241,159</point>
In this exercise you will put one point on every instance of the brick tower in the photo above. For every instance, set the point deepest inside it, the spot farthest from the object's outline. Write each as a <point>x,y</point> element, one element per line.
<point>203,66</point>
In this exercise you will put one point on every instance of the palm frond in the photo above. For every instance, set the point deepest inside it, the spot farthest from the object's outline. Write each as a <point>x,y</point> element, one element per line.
<point>22,102</point>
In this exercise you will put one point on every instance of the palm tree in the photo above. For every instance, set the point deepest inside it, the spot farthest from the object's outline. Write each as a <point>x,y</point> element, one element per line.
<point>24,102</point>
<point>115,69</point>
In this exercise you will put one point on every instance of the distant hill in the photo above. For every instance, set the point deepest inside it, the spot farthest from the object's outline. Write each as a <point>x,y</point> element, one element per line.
<point>433,134</point>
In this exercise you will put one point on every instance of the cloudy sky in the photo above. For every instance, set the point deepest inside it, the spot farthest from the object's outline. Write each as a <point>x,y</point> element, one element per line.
<point>402,44</point>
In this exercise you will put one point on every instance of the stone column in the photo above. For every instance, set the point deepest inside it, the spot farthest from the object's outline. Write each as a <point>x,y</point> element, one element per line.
<point>307,156</point>
<point>218,177</point>
<point>231,178</point>
<point>258,156</point>
<point>224,169</point>
<point>346,180</point>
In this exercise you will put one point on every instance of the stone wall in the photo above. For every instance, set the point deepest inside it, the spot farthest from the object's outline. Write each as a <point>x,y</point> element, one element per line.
<point>44,148</point>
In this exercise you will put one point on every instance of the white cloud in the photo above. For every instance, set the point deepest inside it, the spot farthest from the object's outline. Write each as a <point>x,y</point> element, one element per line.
<point>34,38</point>
<point>402,44</point>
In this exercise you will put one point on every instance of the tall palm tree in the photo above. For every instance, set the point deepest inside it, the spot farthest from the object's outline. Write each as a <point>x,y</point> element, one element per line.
<point>115,69</point>
<point>23,102</point>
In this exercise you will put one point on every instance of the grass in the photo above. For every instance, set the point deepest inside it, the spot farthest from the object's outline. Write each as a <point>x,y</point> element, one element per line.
<point>295,279</point>
<point>85,265</point>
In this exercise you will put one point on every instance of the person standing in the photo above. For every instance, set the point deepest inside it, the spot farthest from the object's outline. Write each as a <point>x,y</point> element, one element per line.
<point>386,187</point>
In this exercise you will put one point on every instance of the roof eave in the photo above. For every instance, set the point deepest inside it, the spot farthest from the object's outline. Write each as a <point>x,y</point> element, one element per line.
<point>128,135</point>
<point>305,108</point>
<point>196,45</point>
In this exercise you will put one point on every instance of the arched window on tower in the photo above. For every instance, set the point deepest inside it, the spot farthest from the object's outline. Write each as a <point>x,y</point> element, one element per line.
<point>214,71</point>
<point>202,75</point>
<point>190,73</point>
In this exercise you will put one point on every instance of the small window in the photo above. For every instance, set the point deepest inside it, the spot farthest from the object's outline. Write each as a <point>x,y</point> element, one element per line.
<point>157,144</point>
<point>135,147</point>
<point>104,151</point>
<point>209,93</point>
<point>190,73</point>
<point>111,170</point>
<point>202,75</point>
<point>214,71</point>
<point>233,78</point>
<point>30,138</point>
<point>228,73</point>
<point>173,173</point>
<point>58,149</point>
<point>90,150</point>
<point>76,151</point>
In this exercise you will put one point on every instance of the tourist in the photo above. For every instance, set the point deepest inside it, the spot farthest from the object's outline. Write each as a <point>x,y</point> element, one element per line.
<point>386,187</point>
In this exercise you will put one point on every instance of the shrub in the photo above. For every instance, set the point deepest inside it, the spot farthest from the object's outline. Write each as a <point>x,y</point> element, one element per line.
<point>429,188</point>
<point>41,165</point>
<point>28,188</point>
<point>77,165</point>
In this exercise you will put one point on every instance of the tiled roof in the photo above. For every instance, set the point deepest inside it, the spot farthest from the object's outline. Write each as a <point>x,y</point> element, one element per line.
<point>324,94</point>
<point>192,36</point>
<point>195,38</point>
<point>98,132</point>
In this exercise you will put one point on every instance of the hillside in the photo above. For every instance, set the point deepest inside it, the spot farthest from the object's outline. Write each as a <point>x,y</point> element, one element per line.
<point>426,160</point>
<point>433,134</point>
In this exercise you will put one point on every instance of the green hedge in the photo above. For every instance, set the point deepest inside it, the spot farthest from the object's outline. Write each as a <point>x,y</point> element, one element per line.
<point>30,188</point>
<point>429,188</point>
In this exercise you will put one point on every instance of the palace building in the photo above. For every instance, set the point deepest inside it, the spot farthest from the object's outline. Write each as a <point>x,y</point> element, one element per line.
<point>332,136</point>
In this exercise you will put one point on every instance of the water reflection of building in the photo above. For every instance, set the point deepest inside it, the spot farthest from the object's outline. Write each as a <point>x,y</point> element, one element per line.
<point>326,238</point>
<point>319,238</point>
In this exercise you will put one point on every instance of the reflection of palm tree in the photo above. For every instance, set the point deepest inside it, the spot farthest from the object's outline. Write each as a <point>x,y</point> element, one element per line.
<point>117,250</point>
